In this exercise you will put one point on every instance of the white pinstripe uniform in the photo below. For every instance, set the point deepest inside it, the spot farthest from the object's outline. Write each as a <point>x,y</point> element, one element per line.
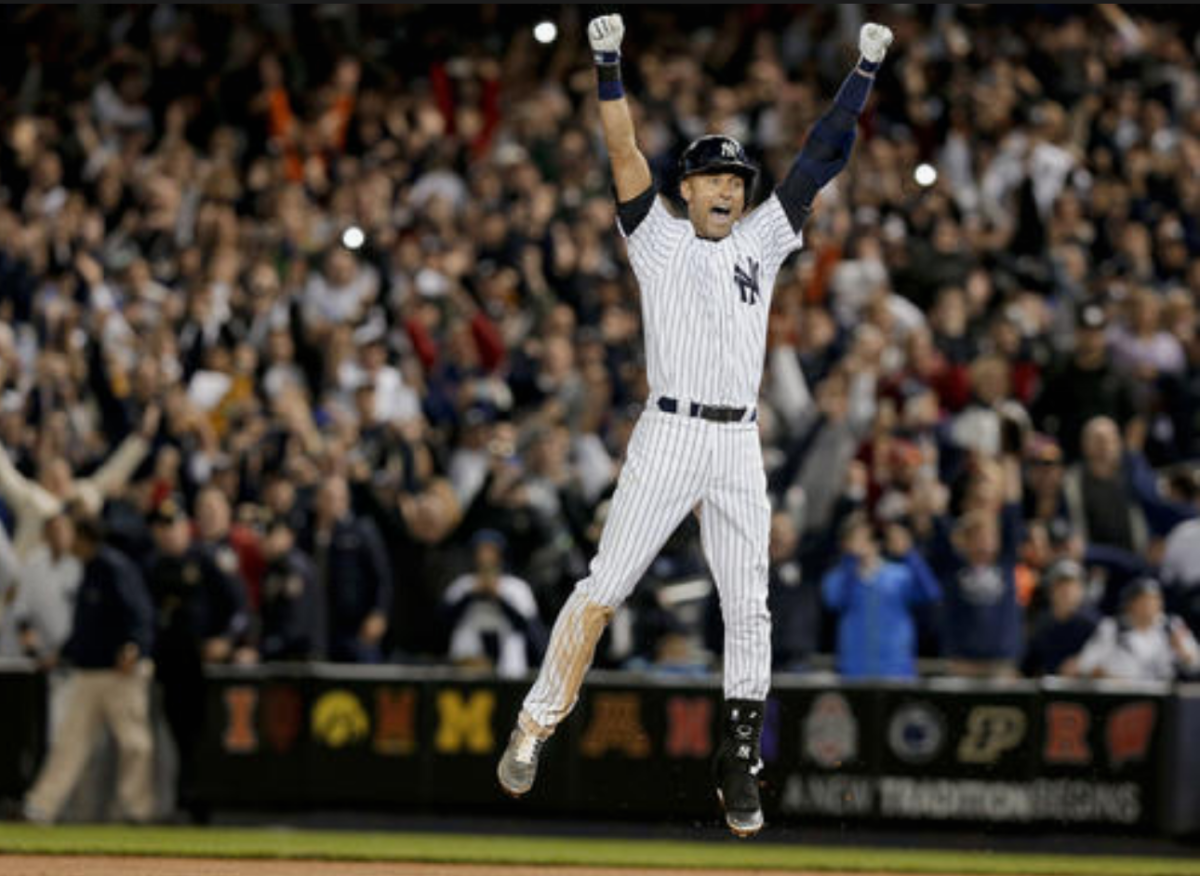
<point>705,305</point>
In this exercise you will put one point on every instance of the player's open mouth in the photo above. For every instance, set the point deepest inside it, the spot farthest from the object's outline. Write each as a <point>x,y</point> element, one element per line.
<point>722,212</point>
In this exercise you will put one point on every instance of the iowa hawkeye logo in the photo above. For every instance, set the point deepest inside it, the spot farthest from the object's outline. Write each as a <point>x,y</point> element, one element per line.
<point>747,281</point>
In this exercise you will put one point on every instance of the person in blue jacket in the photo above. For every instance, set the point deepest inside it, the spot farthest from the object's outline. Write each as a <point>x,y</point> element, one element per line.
<point>874,599</point>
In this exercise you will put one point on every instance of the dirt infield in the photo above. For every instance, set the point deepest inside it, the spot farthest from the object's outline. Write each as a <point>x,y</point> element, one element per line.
<point>69,865</point>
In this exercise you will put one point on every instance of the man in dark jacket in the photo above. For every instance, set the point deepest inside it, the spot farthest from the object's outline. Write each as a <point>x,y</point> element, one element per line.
<point>201,614</point>
<point>110,640</point>
<point>353,574</point>
<point>292,626</point>
<point>1085,386</point>
<point>1070,621</point>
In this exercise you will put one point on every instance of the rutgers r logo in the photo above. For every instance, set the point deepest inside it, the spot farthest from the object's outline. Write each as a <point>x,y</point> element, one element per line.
<point>747,281</point>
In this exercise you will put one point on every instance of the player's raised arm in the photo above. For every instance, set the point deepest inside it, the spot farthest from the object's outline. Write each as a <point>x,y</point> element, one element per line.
<point>827,148</point>
<point>631,172</point>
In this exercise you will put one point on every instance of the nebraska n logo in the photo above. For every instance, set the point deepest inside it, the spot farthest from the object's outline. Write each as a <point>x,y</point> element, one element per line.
<point>747,281</point>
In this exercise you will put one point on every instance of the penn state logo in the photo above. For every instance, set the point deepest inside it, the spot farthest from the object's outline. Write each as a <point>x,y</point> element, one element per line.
<point>746,279</point>
<point>916,732</point>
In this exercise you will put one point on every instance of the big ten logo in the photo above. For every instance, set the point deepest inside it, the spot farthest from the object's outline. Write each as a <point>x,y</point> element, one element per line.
<point>689,726</point>
<point>991,731</point>
<point>339,719</point>
<point>395,720</point>
<point>465,723</point>
<point>241,708</point>
<point>1128,731</point>
<point>830,731</point>
<point>616,725</point>
<point>1066,740</point>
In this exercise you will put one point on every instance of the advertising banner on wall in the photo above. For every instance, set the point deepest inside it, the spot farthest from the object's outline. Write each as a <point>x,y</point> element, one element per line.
<point>933,751</point>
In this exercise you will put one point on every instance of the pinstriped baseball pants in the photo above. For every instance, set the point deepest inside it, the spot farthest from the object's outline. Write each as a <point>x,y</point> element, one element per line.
<point>673,465</point>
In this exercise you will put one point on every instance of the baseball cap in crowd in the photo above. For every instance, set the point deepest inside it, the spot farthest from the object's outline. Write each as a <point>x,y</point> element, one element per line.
<point>1060,531</point>
<point>169,510</point>
<point>1091,316</point>
<point>490,536</point>
<point>1042,448</point>
<point>1064,570</point>
<point>1137,587</point>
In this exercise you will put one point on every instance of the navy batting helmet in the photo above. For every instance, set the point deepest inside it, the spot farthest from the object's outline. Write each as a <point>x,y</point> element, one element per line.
<point>716,153</point>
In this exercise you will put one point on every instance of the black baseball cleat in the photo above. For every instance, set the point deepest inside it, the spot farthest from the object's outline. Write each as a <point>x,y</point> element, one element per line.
<point>737,766</point>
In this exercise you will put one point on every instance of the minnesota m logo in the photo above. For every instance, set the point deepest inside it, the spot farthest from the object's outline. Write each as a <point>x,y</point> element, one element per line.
<point>747,281</point>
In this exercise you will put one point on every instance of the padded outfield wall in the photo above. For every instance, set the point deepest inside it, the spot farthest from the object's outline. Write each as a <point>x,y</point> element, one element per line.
<point>1067,755</point>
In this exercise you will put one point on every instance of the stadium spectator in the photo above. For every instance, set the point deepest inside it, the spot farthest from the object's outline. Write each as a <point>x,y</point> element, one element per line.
<point>33,502</point>
<point>109,686</point>
<point>1112,495</point>
<point>491,618</point>
<point>38,596</point>
<point>234,547</point>
<point>874,599</point>
<point>353,575</point>
<point>201,615</point>
<point>291,618</point>
<point>1069,621</point>
<point>1084,387</point>
<point>1143,642</point>
<point>793,600</point>
<point>976,561</point>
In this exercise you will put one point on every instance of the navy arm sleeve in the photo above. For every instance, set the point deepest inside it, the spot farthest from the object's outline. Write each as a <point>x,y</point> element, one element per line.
<point>631,213</point>
<point>827,148</point>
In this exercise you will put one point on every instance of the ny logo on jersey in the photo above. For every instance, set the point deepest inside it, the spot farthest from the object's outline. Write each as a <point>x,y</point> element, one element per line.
<point>747,281</point>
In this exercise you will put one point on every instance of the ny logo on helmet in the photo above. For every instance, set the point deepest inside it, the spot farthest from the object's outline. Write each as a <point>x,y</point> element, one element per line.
<point>729,149</point>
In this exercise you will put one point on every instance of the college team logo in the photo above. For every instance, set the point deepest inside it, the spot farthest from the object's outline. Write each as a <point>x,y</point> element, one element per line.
<point>916,732</point>
<point>830,731</point>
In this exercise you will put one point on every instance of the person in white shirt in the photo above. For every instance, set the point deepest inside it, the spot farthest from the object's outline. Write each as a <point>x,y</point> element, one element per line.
<point>1143,643</point>
<point>39,594</point>
<point>492,618</point>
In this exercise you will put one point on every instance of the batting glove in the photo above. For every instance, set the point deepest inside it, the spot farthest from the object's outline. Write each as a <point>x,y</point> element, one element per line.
<point>604,33</point>
<point>873,41</point>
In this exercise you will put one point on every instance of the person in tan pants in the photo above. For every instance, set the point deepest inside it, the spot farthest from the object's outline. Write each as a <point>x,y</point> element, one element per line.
<point>109,684</point>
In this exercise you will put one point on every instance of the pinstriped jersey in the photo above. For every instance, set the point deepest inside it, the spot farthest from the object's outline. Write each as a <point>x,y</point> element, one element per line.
<point>705,302</point>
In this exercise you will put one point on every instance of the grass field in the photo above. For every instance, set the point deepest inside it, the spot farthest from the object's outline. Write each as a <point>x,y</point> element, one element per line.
<point>640,854</point>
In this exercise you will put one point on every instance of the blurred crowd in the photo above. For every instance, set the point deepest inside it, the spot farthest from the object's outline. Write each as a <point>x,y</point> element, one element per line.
<point>319,317</point>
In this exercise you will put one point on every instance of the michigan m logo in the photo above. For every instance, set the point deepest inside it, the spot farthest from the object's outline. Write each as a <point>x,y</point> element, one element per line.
<point>464,723</point>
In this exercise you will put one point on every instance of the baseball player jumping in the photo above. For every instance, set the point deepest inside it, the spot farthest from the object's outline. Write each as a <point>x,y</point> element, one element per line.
<point>706,283</point>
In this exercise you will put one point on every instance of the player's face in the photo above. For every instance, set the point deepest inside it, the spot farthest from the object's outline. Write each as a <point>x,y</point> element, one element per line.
<point>715,201</point>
